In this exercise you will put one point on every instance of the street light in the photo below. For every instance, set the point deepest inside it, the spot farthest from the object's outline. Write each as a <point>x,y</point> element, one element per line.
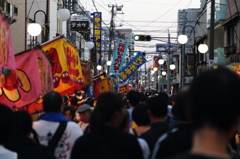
<point>161,61</point>
<point>89,44</point>
<point>172,67</point>
<point>99,67</point>
<point>155,69</point>
<point>109,63</point>
<point>34,29</point>
<point>164,73</point>
<point>203,48</point>
<point>63,14</point>
<point>182,39</point>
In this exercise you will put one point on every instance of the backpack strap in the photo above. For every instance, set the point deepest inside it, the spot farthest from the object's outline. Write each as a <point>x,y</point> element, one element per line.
<point>135,132</point>
<point>57,136</point>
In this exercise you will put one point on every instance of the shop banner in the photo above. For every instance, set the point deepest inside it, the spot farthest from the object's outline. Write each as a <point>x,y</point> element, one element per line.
<point>90,91</point>
<point>132,67</point>
<point>97,27</point>
<point>119,56</point>
<point>8,74</point>
<point>87,73</point>
<point>65,66</point>
<point>30,78</point>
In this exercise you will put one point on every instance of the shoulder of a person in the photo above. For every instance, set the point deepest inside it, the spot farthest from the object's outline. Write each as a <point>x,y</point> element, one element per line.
<point>5,153</point>
<point>73,126</point>
<point>145,134</point>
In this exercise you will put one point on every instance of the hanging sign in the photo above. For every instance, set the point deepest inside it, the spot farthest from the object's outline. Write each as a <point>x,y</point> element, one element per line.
<point>119,56</point>
<point>132,67</point>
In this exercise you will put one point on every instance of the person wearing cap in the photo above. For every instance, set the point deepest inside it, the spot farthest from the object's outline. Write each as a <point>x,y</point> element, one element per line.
<point>84,113</point>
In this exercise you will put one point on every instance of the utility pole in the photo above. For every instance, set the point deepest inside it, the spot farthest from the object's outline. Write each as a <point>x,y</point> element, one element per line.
<point>182,80</point>
<point>168,65</point>
<point>211,47</point>
<point>111,34</point>
<point>111,30</point>
<point>145,74</point>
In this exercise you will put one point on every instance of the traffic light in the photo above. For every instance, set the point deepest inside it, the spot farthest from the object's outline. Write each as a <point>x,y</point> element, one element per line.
<point>142,38</point>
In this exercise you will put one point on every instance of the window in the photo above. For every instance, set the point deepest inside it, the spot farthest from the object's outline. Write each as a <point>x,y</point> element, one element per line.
<point>232,31</point>
<point>15,10</point>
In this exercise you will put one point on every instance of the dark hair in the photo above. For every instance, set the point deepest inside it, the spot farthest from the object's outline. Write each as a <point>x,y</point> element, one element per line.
<point>6,123</point>
<point>143,98</point>
<point>158,106</point>
<point>140,115</point>
<point>107,104</point>
<point>71,109</point>
<point>125,120</point>
<point>164,95</point>
<point>74,101</point>
<point>181,109</point>
<point>214,98</point>
<point>52,102</point>
<point>134,98</point>
<point>90,102</point>
<point>23,123</point>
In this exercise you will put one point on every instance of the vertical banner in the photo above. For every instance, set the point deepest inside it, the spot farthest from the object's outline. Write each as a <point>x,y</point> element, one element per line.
<point>119,56</point>
<point>65,66</point>
<point>132,67</point>
<point>97,25</point>
<point>8,74</point>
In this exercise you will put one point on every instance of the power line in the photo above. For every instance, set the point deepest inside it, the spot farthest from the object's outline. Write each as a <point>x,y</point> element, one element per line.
<point>97,11</point>
<point>163,14</point>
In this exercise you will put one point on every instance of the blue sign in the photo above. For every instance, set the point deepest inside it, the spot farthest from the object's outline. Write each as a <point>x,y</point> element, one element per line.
<point>90,91</point>
<point>132,67</point>
<point>97,25</point>
<point>119,56</point>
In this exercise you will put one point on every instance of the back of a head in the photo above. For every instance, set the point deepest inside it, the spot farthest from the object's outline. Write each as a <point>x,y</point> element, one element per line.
<point>181,106</point>
<point>158,106</point>
<point>164,95</point>
<point>52,102</point>
<point>125,120</point>
<point>140,115</point>
<point>23,123</point>
<point>6,123</point>
<point>214,99</point>
<point>134,98</point>
<point>107,104</point>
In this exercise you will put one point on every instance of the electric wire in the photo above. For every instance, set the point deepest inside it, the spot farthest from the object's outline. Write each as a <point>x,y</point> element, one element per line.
<point>29,10</point>
<point>163,14</point>
<point>97,11</point>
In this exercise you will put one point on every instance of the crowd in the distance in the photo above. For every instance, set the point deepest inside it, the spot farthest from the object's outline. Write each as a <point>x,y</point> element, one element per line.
<point>200,123</point>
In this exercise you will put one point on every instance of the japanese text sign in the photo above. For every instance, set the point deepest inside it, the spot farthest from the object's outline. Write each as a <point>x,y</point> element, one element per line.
<point>119,56</point>
<point>79,25</point>
<point>97,23</point>
<point>132,67</point>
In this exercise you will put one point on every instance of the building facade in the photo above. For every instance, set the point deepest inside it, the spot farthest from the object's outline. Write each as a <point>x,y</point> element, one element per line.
<point>16,10</point>
<point>232,33</point>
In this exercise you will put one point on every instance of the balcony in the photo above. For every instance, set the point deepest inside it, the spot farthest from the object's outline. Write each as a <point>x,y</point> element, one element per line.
<point>230,49</point>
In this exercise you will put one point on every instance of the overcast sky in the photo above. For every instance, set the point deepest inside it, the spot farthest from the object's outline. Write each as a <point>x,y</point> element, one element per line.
<point>152,17</point>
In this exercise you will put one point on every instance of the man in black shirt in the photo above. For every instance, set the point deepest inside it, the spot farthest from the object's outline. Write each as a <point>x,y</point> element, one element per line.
<point>157,109</point>
<point>214,105</point>
<point>179,139</point>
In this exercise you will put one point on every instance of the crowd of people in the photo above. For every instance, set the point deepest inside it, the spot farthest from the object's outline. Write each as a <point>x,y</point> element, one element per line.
<point>201,122</point>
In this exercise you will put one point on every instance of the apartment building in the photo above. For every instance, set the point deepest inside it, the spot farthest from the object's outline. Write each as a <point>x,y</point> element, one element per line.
<point>16,10</point>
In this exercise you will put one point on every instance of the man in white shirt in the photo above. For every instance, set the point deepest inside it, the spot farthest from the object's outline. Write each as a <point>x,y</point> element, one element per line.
<point>47,124</point>
<point>84,113</point>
